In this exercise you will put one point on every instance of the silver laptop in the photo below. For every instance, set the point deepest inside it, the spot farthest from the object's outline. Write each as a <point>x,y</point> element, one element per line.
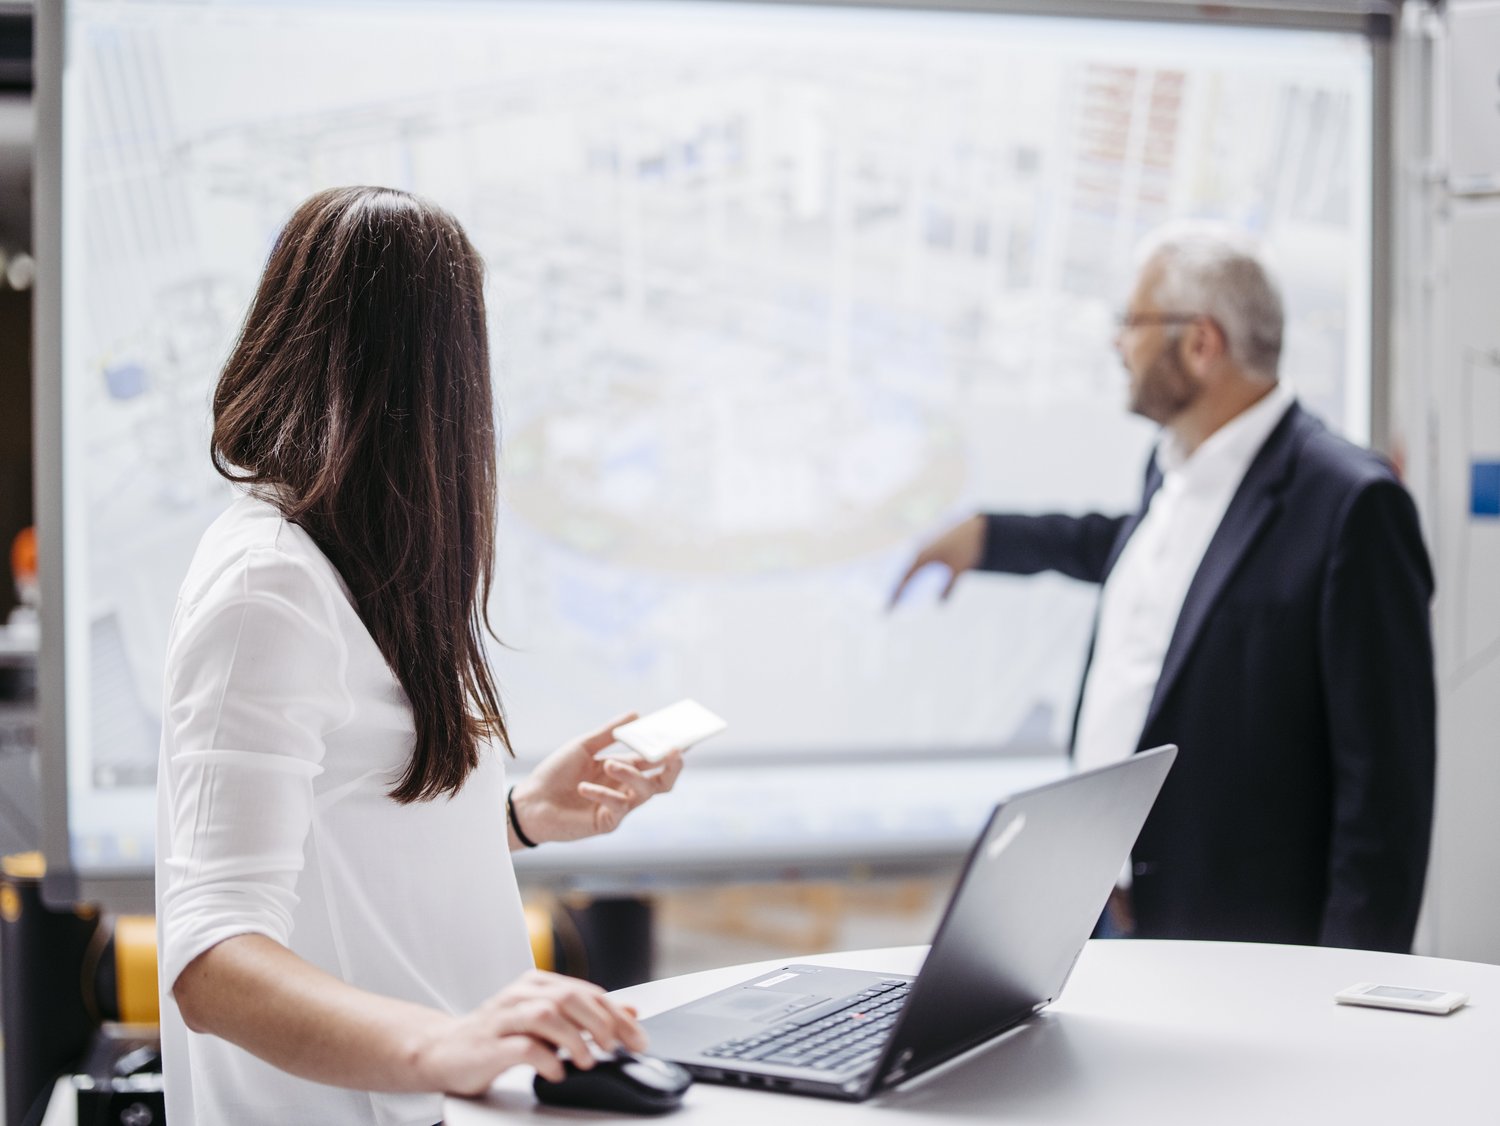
<point>1030,893</point>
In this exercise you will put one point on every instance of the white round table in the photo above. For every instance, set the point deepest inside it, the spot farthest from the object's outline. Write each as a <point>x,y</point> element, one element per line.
<point>1191,1033</point>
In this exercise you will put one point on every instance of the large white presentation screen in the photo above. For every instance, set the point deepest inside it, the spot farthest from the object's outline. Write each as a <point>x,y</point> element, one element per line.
<point>776,291</point>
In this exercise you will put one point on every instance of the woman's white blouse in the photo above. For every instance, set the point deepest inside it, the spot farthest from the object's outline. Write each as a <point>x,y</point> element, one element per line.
<point>283,730</point>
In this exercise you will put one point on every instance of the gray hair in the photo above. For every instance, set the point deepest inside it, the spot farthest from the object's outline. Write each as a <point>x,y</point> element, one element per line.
<point>1214,270</point>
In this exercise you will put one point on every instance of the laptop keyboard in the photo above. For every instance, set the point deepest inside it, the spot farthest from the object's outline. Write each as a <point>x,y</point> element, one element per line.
<point>845,1039</point>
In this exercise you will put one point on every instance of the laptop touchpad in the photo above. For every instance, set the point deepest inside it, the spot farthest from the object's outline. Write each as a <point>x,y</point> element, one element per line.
<point>751,1004</point>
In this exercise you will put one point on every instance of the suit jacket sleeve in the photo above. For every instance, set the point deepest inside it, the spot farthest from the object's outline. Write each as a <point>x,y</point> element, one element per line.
<point>1377,665</point>
<point>1077,546</point>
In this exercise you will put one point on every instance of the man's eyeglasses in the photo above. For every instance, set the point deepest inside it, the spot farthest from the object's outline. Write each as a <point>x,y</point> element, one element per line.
<point>1140,320</point>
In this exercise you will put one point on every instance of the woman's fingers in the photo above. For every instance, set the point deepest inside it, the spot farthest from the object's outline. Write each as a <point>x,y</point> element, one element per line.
<point>564,1010</point>
<point>469,1060</point>
<point>631,1033</point>
<point>610,806</point>
<point>630,788</point>
<point>666,777</point>
<point>644,784</point>
<point>530,1022</point>
<point>544,1019</point>
<point>594,1016</point>
<point>601,737</point>
<point>628,778</point>
<point>624,1023</point>
<point>624,1027</point>
<point>534,1054</point>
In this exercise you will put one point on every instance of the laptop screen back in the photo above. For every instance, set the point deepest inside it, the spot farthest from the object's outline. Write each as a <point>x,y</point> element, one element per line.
<point>1026,903</point>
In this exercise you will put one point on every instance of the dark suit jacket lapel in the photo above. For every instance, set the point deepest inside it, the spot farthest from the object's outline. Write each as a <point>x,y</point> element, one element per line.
<point>1254,504</point>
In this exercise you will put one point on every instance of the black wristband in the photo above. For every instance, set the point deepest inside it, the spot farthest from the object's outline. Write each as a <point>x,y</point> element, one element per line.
<point>510,814</point>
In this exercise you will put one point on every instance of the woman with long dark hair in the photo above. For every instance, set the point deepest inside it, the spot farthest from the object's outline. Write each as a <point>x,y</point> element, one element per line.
<point>340,932</point>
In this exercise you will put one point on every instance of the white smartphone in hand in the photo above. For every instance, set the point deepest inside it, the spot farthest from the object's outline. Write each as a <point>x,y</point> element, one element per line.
<point>679,725</point>
<point>1400,997</point>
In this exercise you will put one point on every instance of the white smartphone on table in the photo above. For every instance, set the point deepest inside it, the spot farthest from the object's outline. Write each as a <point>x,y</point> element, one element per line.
<point>1401,997</point>
<point>679,725</point>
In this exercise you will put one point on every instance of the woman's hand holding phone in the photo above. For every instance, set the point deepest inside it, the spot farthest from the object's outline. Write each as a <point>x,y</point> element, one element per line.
<point>573,793</point>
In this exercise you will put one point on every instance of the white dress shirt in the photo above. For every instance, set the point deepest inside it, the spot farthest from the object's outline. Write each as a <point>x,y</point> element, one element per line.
<point>1143,594</point>
<point>283,731</point>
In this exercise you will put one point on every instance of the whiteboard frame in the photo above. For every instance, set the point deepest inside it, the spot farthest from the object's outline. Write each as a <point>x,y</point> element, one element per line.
<point>132,891</point>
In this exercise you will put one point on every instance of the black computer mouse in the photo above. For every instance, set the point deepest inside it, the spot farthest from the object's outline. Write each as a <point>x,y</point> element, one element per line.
<point>627,1081</point>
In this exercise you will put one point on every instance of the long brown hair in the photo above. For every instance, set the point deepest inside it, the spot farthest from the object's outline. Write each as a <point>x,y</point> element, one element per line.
<point>357,399</point>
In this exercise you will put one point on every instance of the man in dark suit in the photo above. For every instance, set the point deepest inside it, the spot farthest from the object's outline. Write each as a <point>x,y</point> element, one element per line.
<point>1267,609</point>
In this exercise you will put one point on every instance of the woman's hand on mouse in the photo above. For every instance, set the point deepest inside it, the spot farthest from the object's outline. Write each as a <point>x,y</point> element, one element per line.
<point>573,793</point>
<point>528,1022</point>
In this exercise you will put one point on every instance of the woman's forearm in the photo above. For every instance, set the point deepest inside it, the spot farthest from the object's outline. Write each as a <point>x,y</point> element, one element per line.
<point>258,995</point>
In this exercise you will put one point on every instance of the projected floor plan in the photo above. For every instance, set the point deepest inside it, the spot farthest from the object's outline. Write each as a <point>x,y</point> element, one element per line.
<point>776,293</point>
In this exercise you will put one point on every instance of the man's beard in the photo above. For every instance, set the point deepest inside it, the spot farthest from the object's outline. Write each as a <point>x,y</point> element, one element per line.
<point>1165,389</point>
